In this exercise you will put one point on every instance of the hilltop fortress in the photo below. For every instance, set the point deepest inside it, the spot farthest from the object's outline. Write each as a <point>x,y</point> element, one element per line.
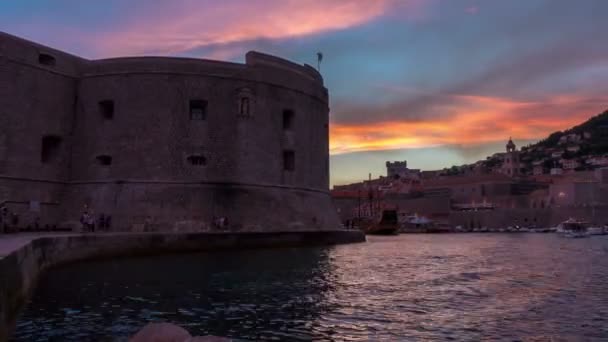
<point>163,143</point>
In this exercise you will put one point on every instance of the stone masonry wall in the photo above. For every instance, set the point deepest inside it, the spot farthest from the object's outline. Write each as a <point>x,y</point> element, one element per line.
<point>122,139</point>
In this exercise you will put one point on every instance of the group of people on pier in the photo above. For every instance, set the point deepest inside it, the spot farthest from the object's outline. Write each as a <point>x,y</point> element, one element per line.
<point>90,223</point>
<point>8,220</point>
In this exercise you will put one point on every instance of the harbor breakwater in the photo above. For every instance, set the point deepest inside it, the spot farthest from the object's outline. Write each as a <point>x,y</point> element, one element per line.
<point>20,269</point>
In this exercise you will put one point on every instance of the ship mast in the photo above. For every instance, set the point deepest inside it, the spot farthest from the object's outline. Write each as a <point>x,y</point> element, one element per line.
<point>370,195</point>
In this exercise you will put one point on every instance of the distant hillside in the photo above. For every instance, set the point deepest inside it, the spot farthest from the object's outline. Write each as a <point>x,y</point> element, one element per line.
<point>581,145</point>
<point>596,127</point>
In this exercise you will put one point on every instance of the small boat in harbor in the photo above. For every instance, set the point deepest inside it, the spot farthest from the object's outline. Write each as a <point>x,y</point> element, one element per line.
<point>573,228</point>
<point>422,224</point>
<point>596,230</point>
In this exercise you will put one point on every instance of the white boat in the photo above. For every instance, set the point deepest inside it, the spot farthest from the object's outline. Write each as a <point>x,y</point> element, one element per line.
<point>596,230</point>
<point>573,228</point>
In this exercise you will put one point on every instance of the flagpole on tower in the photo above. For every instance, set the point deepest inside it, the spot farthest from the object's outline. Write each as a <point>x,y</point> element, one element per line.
<point>319,59</point>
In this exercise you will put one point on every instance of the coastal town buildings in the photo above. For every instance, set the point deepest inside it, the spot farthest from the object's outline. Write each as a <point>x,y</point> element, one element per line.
<point>476,196</point>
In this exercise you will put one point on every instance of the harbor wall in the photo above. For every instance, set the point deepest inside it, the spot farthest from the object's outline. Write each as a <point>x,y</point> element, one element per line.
<point>527,217</point>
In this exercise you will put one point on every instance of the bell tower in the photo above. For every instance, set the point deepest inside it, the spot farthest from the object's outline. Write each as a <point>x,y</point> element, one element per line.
<point>510,164</point>
<point>511,146</point>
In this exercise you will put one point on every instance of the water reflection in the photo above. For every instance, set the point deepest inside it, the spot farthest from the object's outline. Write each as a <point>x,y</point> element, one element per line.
<point>256,294</point>
<point>416,287</point>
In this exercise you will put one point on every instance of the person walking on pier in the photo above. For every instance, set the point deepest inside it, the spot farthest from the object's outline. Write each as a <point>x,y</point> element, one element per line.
<point>87,220</point>
<point>91,221</point>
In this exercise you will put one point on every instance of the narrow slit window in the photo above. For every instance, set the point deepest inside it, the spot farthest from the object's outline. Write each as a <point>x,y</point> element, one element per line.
<point>198,109</point>
<point>288,116</point>
<point>46,59</point>
<point>50,149</point>
<point>104,160</point>
<point>289,160</point>
<point>244,106</point>
<point>106,107</point>
<point>197,160</point>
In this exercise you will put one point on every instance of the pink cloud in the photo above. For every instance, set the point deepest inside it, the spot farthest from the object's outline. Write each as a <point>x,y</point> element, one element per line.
<point>186,25</point>
<point>471,120</point>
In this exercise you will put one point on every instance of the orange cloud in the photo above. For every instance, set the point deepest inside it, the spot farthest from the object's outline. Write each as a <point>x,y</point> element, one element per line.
<point>473,120</point>
<point>191,24</point>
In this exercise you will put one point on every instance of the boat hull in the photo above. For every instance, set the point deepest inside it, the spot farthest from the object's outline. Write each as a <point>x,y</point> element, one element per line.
<point>382,231</point>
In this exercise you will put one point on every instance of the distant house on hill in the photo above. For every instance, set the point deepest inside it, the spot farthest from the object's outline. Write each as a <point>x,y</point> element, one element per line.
<point>598,161</point>
<point>569,164</point>
<point>538,170</point>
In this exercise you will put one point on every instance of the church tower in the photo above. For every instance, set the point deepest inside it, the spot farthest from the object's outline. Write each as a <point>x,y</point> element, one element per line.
<point>510,164</point>
<point>511,146</point>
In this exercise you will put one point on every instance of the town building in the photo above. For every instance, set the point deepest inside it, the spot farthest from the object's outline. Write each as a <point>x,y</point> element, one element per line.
<point>569,164</point>
<point>598,161</point>
<point>538,170</point>
<point>573,148</point>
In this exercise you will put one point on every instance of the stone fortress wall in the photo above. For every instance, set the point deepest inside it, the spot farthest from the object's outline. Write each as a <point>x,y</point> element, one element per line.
<point>163,143</point>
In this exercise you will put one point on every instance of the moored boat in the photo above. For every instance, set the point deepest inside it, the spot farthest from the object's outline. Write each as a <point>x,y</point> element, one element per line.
<point>573,228</point>
<point>596,230</point>
<point>387,225</point>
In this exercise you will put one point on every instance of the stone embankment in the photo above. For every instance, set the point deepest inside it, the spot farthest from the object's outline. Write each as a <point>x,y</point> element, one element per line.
<point>24,257</point>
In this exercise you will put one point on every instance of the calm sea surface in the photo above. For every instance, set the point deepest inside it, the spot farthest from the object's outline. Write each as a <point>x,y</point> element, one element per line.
<point>531,287</point>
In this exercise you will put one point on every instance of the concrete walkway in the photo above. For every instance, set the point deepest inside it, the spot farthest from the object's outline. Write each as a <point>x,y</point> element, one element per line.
<point>12,242</point>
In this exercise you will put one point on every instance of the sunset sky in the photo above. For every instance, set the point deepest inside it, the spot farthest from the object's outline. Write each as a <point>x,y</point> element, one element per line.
<point>436,82</point>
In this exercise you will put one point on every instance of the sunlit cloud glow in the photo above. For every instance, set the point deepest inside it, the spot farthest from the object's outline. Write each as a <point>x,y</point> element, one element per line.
<point>187,25</point>
<point>472,120</point>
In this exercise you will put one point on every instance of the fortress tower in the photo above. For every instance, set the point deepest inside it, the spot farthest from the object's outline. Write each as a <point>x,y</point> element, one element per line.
<point>163,143</point>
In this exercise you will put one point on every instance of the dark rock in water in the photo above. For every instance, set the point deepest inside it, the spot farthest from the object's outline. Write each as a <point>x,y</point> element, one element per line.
<point>161,332</point>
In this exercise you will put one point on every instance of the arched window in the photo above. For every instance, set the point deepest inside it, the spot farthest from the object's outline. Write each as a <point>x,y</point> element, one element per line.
<point>245,102</point>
